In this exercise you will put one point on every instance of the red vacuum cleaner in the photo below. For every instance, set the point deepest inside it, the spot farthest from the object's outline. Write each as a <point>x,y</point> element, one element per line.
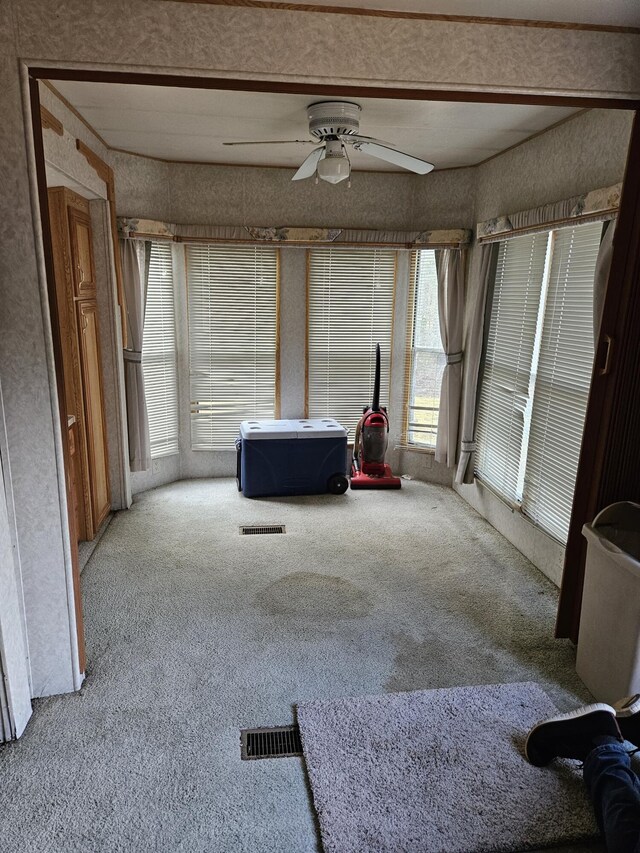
<point>368,468</point>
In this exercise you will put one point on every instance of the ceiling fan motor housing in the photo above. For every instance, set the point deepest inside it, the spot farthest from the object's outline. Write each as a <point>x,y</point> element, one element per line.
<point>331,118</point>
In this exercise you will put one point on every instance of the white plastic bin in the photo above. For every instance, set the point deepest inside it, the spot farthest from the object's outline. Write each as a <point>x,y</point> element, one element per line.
<point>608,658</point>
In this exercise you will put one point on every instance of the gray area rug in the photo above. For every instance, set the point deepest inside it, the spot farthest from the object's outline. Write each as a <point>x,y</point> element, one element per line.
<point>438,770</point>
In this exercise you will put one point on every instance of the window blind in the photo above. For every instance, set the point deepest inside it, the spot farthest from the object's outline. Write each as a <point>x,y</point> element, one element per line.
<point>563,380</point>
<point>159,354</point>
<point>233,297</point>
<point>426,353</point>
<point>504,390</point>
<point>350,310</point>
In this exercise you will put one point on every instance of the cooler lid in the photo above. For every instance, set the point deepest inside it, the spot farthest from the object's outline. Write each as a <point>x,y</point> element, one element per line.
<point>319,428</point>
<point>257,430</point>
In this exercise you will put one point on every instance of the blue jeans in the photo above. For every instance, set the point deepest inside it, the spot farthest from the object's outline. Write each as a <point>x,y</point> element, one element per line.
<point>615,792</point>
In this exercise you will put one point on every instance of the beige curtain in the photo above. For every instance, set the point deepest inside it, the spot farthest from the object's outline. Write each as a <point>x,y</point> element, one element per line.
<point>603,265</point>
<point>450,265</point>
<point>134,275</point>
<point>473,354</point>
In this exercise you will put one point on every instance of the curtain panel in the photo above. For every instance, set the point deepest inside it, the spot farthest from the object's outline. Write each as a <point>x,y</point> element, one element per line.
<point>135,272</point>
<point>450,268</point>
<point>473,354</point>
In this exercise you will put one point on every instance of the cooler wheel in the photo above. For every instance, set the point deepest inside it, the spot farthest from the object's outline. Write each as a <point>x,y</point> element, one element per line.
<point>337,484</point>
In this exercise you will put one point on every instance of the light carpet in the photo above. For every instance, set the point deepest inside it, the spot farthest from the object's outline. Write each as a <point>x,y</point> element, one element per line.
<point>440,771</point>
<point>194,632</point>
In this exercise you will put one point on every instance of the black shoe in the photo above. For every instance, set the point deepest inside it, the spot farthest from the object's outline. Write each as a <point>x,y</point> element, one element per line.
<point>571,735</point>
<point>628,718</point>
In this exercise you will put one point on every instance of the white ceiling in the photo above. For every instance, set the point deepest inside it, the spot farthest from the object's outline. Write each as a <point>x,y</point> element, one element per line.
<point>191,124</point>
<point>609,12</point>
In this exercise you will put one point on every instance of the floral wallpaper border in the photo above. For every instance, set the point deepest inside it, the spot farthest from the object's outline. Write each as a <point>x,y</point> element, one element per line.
<point>603,200</point>
<point>149,228</point>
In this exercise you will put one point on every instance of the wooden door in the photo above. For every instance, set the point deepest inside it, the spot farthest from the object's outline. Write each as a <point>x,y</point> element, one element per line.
<point>77,321</point>
<point>83,271</point>
<point>89,341</point>
<point>61,200</point>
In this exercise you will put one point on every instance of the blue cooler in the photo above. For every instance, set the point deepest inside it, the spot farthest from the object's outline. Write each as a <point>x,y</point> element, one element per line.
<point>292,457</point>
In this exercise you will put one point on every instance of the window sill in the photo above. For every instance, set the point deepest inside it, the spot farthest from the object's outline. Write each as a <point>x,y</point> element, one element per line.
<point>414,448</point>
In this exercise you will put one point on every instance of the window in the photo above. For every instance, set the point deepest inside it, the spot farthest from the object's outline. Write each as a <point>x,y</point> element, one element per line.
<point>424,348</point>
<point>233,297</point>
<point>350,310</point>
<point>159,354</point>
<point>537,372</point>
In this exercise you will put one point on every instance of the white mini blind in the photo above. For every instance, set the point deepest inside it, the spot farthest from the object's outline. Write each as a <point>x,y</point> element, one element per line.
<point>563,380</point>
<point>350,310</point>
<point>233,299</point>
<point>504,389</point>
<point>159,354</point>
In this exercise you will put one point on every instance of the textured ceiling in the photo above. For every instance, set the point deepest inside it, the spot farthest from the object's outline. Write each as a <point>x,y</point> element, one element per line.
<point>192,124</point>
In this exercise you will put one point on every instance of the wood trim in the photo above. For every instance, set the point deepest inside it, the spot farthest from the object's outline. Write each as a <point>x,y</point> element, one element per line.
<point>307,285</point>
<point>43,200</point>
<point>393,320</point>
<point>102,169</point>
<point>278,305</point>
<point>105,173</point>
<point>597,216</point>
<point>609,465</point>
<point>487,96</point>
<point>416,16</point>
<point>50,122</point>
<point>408,346</point>
<point>72,109</point>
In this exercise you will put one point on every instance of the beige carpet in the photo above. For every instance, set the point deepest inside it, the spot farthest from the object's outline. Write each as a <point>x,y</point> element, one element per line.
<point>194,632</point>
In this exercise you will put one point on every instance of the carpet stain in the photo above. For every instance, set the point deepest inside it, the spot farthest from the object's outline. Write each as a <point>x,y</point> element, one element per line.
<point>434,662</point>
<point>315,596</point>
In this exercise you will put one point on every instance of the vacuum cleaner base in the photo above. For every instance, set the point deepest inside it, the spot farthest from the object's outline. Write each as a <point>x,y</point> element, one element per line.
<point>380,481</point>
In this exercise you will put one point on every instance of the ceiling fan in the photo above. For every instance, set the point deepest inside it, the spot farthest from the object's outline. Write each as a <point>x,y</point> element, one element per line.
<point>336,125</point>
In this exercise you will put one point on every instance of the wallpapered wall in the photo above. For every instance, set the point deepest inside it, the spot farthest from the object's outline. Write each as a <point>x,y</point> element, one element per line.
<point>220,41</point>
<point>587,152</point>
<point>236,195</point>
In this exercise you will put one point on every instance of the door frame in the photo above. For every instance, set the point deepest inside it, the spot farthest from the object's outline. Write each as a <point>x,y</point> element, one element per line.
<point>626,255</point>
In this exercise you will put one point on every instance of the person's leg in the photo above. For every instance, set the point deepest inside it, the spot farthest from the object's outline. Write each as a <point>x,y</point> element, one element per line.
<point>615,793</point>
<point>571,735</point>
<point>594,736</point>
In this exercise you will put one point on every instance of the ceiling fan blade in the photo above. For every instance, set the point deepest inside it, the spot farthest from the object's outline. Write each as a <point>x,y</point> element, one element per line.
<point>356,137</point>
<point>308,168</point>
<point>398,158</point>
<point>276,142</point>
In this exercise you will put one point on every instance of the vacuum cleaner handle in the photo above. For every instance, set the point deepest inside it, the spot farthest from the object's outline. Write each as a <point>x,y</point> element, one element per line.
<point>375,403</point>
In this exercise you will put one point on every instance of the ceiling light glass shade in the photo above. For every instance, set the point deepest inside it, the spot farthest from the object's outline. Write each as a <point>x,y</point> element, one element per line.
<point>333,169</point>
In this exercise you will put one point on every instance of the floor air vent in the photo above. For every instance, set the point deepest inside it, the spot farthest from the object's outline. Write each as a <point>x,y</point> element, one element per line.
<point>280,742</point>
<point>253,529</point>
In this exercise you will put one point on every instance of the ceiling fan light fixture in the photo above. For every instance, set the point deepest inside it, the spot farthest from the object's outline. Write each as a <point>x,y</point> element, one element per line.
<point>334,166</point>
<point>333,169</point>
